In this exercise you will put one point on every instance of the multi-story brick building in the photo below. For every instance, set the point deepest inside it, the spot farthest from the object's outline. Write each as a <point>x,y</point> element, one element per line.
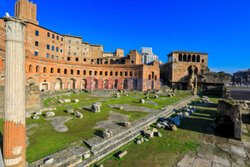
<point>55,61</point>
<point>181,64</point>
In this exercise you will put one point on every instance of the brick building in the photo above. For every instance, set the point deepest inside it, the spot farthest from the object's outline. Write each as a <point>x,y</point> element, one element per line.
<point>55,61</point>
<point>180,64</point>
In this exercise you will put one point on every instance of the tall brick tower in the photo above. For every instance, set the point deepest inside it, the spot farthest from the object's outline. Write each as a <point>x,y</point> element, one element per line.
<point>26,11</point>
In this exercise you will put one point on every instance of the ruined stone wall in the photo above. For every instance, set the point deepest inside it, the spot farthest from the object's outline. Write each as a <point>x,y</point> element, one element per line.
<point>229,117</point>
<point>32,98</point>
<point>222,78</point>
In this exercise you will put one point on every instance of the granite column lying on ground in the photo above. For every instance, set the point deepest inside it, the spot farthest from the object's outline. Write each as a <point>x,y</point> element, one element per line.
<point>14,134</point>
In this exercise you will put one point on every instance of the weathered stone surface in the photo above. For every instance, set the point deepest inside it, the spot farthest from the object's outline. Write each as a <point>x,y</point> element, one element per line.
<point>158,134</point>
<point>173,127</point>
<point>107,133</point>
<point>49,114</point>
<point>148,134</point>
<point>239,151</point>
<point>85,156</point>
<point>126,124</point>
<point>70,111</point>
<point>48,161</point>
<point>76,100</point>
<point>31,126</point>
<point>27,115</point>
<point>122,154</point>
<point>67,100</point>
<point>154,130</point>
<point>142,101</point>
<point>156,96</point>
<point>186,161</point>
<point>95,108</point>
<point>199,162</point>
<point>78,114</point>
<point>58,123</point>
<point>138,142</point>
<point>35,117</point>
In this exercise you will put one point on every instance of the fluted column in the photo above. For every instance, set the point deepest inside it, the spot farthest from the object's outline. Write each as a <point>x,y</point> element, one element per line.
<point>14,134</point>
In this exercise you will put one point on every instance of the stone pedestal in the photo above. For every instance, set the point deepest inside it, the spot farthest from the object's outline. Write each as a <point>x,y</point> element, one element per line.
<point>14,134</point>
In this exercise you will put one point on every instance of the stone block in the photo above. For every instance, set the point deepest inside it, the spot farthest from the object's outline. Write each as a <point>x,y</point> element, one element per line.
<point>156,96</point>
<point>86,156</point>
<point>142,101</point>
<point>70,111</point>
<point>48,161</point>
<point>138,142</point>
<point>76,100</point>
<point>78,114</point>
<point>49,114</point>
<point>148,134</point>
<point>27,115</point>
<point>35,117</point>
<point>67,100</point>
<point>122,154</point>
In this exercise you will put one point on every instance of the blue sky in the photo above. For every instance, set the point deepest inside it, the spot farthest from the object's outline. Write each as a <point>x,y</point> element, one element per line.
<point>220,28</point>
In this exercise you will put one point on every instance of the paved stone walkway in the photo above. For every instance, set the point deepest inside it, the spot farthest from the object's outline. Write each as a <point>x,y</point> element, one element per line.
<point>219,152</point>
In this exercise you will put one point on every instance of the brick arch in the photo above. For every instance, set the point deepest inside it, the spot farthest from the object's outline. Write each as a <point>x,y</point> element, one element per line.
<point>30,68</point>
<point>58,84</point>
<point>37,68</point>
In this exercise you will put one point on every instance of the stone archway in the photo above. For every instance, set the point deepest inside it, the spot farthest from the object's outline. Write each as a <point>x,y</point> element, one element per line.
<point>84,84</point>
<point>125,84</point>
<point>58,84</point>
<point>72,84</point>
<point>106,84</point>
<point>116,84</point>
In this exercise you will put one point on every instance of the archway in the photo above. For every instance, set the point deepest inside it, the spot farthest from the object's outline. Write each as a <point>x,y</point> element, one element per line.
<point>96,84</point>
<point>125,84</point>
<point>105,84</point>
<point>72,83</point>
<point>84,83</point>
<point>180,57</point>
<point>58,84</point>
<point>116,84</point>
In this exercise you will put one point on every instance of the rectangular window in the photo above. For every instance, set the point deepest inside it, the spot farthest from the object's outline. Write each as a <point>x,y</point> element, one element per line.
<point>69,53</point>
<point>48,34</point>
<point>68,58</point>
<point>48,47</point>
<point>47,56</point>
<point>56,57</point>
<point>84,72</point>
<point>37,33</point>
<point>61,50</point>
<point>52,56</point>
<point>74,53</point>
<point>36,53</point>
<point>77,59</point>
<point>52,48</point>
<point>36,43</point>
<point>61,39</point>
<point>69,41</point>
<point>126,73</point>
<point>84,60</point>
<point>57,49</point>
<point>57,37</point>
<point>130,74</point>
<point>53,36</point>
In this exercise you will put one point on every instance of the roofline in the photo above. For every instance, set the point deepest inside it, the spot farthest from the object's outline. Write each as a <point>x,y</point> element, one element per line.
<point>72,36</point>
<point>188,52</point>
<point>95,45</point>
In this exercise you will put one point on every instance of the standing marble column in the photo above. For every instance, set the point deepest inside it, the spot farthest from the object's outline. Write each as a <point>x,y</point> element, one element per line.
<point>14,134</point>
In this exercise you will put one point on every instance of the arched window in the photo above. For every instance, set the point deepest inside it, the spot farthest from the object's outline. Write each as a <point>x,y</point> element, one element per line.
<point>65,71</point>
<point>58,70</point>
<point>37,68</point>
<point>44,69</point>
<point>149,77</point>
<point>185,57</point>
<point>90,72</point>
<point>180,57</point>
<point>111,73</point>
<point>95,72</point>
<point>30,68</point>
<point>84,72</point>
<point>71,71</point>
<point>78,72</point>
<point>193,58</point>
<point>121,73</point>
<point>52,70</point>
<point>100,72</point>
<point>189,58</point>
<point>198,58</point>
<point>116,73</point>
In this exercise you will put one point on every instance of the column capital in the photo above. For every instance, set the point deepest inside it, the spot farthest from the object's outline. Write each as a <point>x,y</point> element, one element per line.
<point>15,28</point>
